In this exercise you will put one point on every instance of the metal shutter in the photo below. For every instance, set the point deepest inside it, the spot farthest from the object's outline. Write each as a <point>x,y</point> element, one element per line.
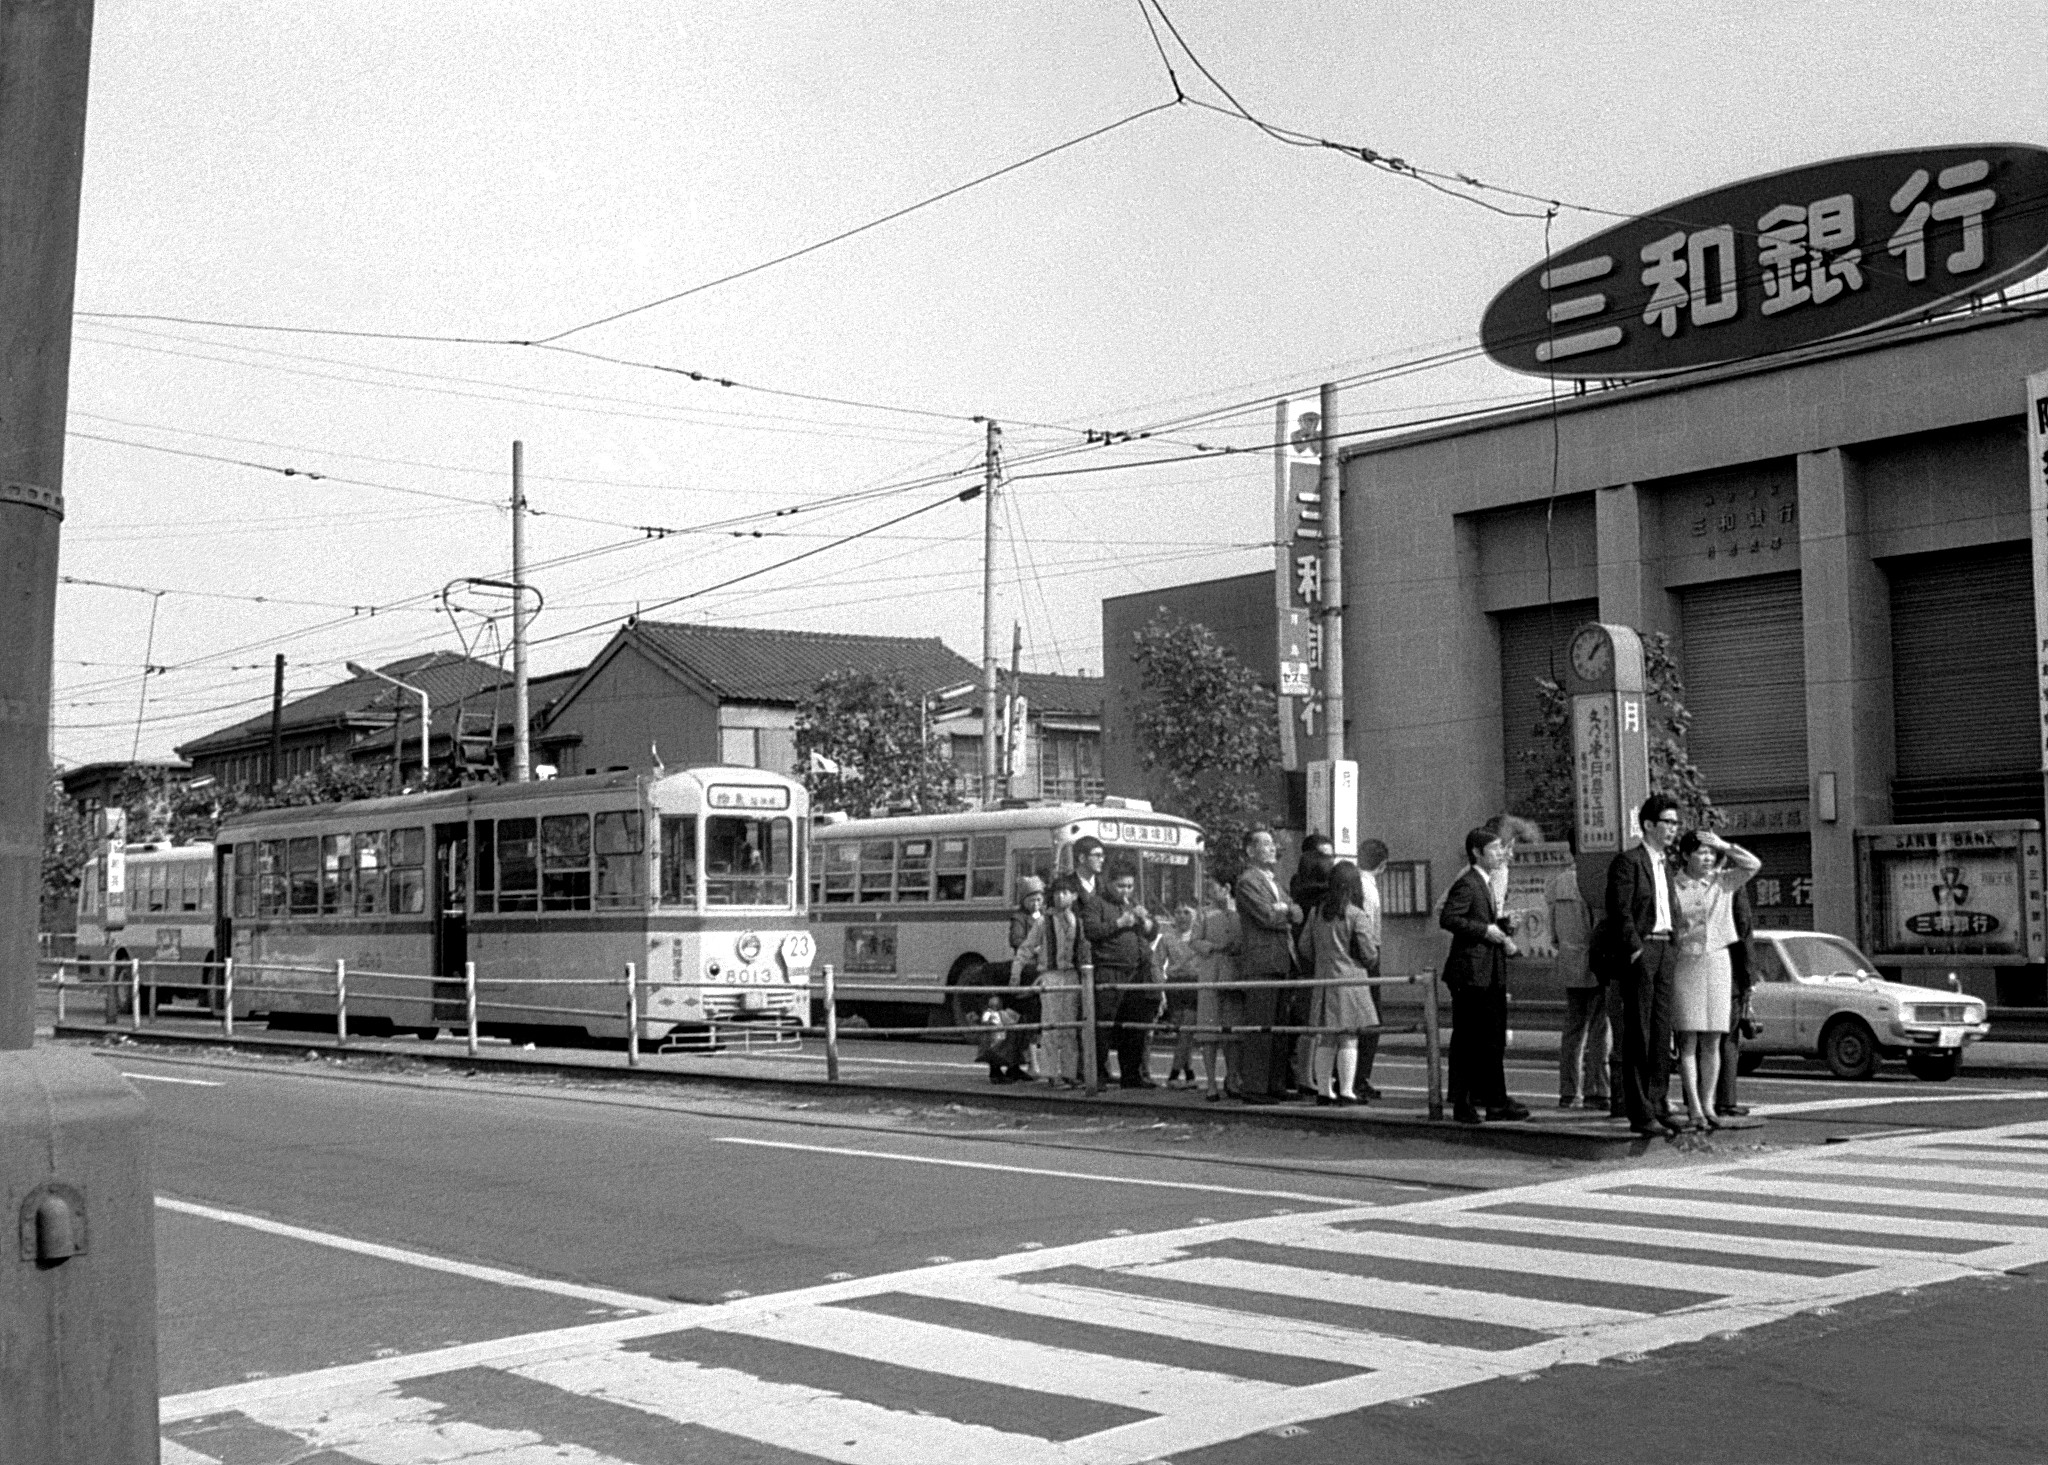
<point>1963,693</point>
<point>1531,641</point>
<point>1744,667</point>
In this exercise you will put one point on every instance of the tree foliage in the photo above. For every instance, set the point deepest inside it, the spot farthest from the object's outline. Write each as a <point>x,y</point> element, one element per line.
<point>1210,729</point>
<point>1552,801</point>
<point>873,727</point>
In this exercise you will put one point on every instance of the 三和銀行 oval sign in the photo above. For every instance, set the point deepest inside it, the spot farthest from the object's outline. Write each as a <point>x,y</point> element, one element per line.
<point>1777,262</point>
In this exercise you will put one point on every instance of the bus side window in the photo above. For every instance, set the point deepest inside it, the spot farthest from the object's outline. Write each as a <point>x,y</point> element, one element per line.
<point>518,865</point>
<point>842,870</point>
<point>337,874</point>
<point>245,880</point>
<point>153,887</point>
<point>990,860</point>
<point>270,878</point>
<point>621,859</point>
<point>877,870</point>
<point>484,865</point>
<point>370,868</point>
<point>679,860</point>
<point>408,879</point>
<point>565,862</point>
<point>302,872</point>
<point>914,870</point>
<point>952,865</point>
<point>1030,861</point>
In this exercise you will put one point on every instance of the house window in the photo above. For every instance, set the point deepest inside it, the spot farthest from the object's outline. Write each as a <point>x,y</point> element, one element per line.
<point>1404,888</point>
<point>772,748</point>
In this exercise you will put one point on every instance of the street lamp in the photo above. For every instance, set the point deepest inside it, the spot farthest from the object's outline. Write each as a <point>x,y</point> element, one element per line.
<point>426,720</point>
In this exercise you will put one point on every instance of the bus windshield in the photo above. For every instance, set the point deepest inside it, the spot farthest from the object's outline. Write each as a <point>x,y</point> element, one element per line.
<point>1167,880</point>
<point>748,860</point>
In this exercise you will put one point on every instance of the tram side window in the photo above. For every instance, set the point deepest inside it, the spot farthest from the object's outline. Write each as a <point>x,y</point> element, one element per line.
<point>337,874</point>
<point>914,870</point>
<point>565,862</point>
<point>485,866</point>
<point>270,878</point>
<point>877,870</point>
<point>153,887</point>
<point>678,859</point>
<point>1025,862</point>
<point>192,894</point>
<point>841,871</point>
<point>408,879</point>
<point>621,859</point>
<point>952,865</point>
<point>518,864</point>
<point>371,867</point>
<point>990,861</point>
<point>302,875</point>
<point>748,861</point>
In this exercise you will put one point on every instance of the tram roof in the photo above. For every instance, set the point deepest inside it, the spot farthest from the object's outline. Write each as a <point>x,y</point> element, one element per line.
<point>1036,816</point>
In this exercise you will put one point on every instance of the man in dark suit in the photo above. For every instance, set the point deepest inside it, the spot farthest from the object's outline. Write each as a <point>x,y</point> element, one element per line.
<point>1482,940</point>
<point>1266,917</point>
<point>1742,965</point>
<point>1119,931</point>
<point>1643,923</point>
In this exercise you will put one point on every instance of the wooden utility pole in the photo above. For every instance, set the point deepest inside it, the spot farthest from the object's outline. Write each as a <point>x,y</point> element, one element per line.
<point>1013,728</point>
<point>522,749</point>
<point>276,723</point>
<point>1328,484</point>
<point>988,616</point>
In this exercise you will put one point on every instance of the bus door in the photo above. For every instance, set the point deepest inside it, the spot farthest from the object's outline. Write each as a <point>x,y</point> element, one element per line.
<point>451,919</point>
<point>223,920</point>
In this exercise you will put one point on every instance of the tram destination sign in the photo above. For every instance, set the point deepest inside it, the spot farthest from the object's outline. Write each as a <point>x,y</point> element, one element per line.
<point>1778,262</point>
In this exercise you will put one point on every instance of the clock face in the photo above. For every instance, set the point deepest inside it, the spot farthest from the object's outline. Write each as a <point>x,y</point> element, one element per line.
<point>1592,654</point>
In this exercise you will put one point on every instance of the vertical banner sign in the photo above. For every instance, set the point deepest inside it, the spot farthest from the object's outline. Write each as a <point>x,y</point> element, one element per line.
<point>1333,804</point>
<point>1610,735</point>
<point>1298,578</point>
<point>2037,506</point>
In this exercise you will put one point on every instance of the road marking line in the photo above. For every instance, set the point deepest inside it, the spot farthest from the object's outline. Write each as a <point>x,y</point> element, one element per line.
<point>1898,1193</point>
<point>1853,1223</point>
<point>1812,1106</point>
<point>778,1144</point>
<point>1496,1256</point>
<point>197,1083</point>
<point>476,1272</point>
<point>1673,1239</point>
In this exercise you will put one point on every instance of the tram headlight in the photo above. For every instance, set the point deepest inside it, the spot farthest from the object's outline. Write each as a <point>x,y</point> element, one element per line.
<point>748,946</point>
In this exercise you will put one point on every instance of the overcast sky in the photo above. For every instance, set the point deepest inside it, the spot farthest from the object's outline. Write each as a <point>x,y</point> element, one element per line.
<point>509,171</point>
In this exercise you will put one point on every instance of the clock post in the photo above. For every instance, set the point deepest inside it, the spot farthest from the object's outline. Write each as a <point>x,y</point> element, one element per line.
<point>1610,745</point>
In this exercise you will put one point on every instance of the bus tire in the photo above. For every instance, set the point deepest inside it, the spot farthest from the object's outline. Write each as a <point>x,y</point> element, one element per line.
<point>959,1011</point>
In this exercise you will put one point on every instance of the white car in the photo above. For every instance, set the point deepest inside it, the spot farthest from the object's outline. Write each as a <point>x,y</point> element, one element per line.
<point>1816,995</point>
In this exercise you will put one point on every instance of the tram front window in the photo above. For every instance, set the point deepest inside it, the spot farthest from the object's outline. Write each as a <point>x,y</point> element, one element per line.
<point>1168,881</point>
<point>747,861</point>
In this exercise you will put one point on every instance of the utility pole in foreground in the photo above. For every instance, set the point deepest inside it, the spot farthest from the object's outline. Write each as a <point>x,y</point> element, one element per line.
<point>78,1274</point>
<point>988,616</point>
<point>522,747</point>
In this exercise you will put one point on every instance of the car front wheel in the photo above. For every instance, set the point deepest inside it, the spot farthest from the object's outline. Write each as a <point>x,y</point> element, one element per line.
<point>1849,1048</point>
<point>1937,1067</point>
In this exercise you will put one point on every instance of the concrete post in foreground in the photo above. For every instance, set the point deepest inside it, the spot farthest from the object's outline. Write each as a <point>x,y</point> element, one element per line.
<point>78,1280</point>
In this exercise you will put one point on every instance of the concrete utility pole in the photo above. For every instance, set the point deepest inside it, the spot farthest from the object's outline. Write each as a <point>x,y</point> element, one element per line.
<point>522,748</point>
<point>78,1293</point>
<point>988,616</point>
<point>1329,486</point>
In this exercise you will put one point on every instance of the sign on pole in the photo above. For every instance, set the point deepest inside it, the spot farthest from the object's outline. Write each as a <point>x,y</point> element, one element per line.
<point>1333,804</point>
<point>1298,578</point>
<point>1610,735</point>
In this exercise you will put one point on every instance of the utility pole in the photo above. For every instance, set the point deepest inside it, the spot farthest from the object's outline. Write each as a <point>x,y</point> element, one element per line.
<point>522,749</point>
<point>988,616</point>
<point>78,1295</point>
<point>1329,486</point>
<point>1013,729</point>
<point>276,721</point>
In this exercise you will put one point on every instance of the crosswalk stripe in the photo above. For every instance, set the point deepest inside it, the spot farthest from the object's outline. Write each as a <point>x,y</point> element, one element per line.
<point>1153,1387</point>
<point>1495,1256</point>
<point>1291,1337</point>
<point>1691,1204</point>
<point>1913,1170</point>
<point>1740,1245</point>
<point>1529,1313</point>
<point>1976,1164</point>
<point>1901,1196</point>
<point>789,1416</point>
<point>385,1426</point>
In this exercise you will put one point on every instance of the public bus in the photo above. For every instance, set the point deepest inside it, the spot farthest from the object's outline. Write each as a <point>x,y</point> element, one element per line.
<point>550,889</point>
<point>151,904</point>
<point>924,900</point>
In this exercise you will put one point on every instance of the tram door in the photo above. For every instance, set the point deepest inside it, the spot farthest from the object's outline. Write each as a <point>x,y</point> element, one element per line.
<point>451,920</point>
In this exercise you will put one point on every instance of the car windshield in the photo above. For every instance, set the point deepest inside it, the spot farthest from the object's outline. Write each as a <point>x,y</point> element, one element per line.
<point>1825,956</point>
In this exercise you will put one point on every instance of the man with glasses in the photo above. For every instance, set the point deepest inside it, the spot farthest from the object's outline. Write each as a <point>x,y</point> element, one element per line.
<point>1643,923</point>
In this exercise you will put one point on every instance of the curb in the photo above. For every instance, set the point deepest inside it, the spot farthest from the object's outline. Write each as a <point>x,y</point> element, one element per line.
<point>1522,1137</point>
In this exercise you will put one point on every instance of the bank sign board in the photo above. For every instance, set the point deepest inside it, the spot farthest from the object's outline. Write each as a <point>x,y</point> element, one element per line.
<point>1948,891</point>
<point>1778,262</point>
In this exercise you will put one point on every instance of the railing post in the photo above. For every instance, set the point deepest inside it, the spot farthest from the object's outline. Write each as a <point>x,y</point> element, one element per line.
<point>1089,1072</point>
<point>227,998</point>
<point>340,1004</point>
<point>831,1027</point>
<point>632,1017</point>
<point>1432,1043</point>
<point>135,992</point>
<point>469,1004</point>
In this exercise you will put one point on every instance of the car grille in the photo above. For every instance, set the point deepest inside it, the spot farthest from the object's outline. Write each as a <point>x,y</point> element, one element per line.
<point>1940,1012</point>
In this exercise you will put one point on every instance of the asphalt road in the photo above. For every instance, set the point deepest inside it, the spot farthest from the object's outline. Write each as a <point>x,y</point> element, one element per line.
<point>419,1269</point>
